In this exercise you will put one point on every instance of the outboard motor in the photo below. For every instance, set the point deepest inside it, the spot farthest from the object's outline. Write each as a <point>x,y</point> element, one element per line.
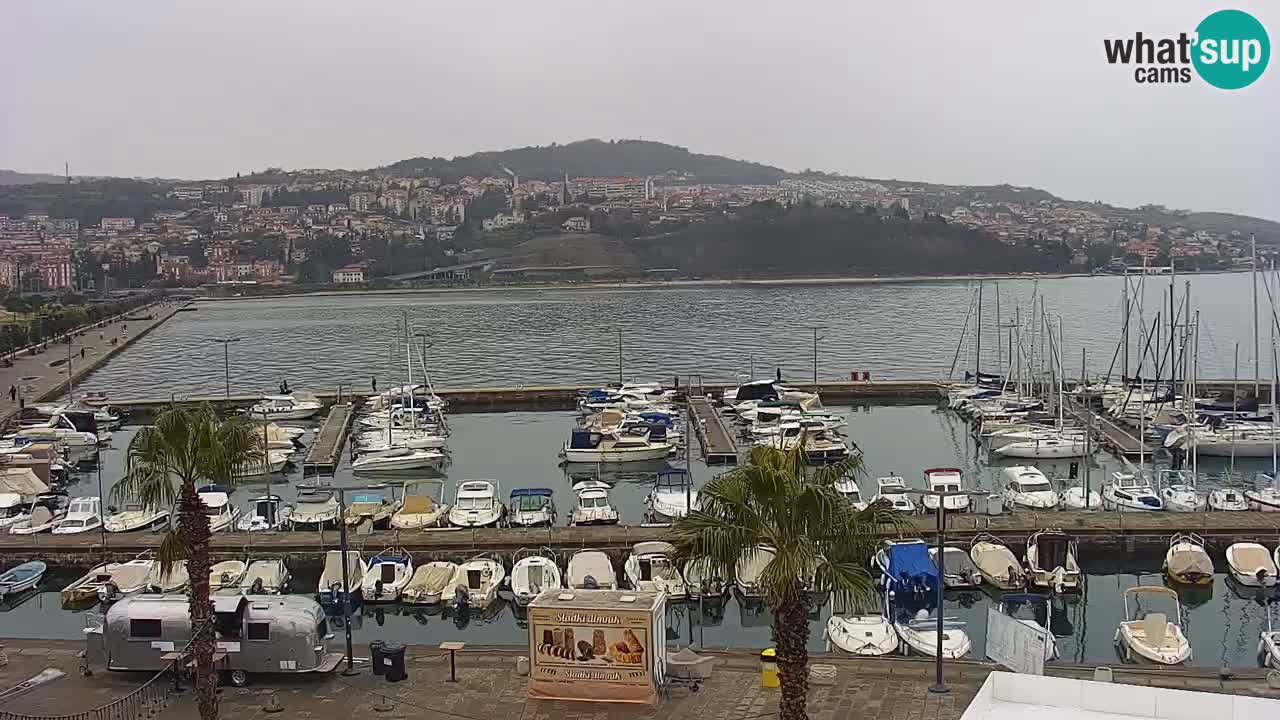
<point>108,593</point>
<point>257,587</point>
<point>460,598</point>
<point>589,583</point>
<point>377,588</point>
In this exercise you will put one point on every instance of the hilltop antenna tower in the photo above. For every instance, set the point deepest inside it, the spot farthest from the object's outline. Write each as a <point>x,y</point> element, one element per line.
<point>66,169</point>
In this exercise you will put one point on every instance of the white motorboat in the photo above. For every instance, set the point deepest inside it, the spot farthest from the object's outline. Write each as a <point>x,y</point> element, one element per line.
<point>919,633</point>
<point>1228,500</point>
<point>649,569</point>
<point>1051,561</point>
<point>62,430</point>
<point>1027,487</point>
<point>849,490</point>
<point>997,563</point>
<point>265,577</point>
<point>1178,490</point>
<point>476,583</point>
<point>396,459</point>
<point>1237,441</point>
<point>673,495</point>
<point>1150,636</point>
<point>476,504</point>
<point>280,438</point>
<point>217,503</point>
<point>1265,496</point>
<point>388,572</point>
<point>1251,565</point>
<point>135,516</point>
<point>420,509</point>
<point>428,583</point>
<point>944,480</point>
<point>531,507</point>
<point>1129,492</point>
<point>591,569</point>
<point>532,573</point>
<point>372,507</point>
<point>1039,617</point>
<point>172,580</point>
<point>276,462</point>
<point>588,446</point>
<point>295,406</point>
<point>750,567</point>
<point>1045,448</point>
<point>702,583</point>
<point>82,516</point>
<point>893,490</point>
<point>1002,436</point>
<point>865,635</point>
<point>314,508</point>
<point>267,512</point>
<point>820,446</point>
<point>1269,642</point>
<point>380,442</point>
<point>334,589</point>
<point>13,509</point>
<point>957,568</point>
<point>1077,497</point>
<point>44,515</point>
<point>21,578</point>
<point>227,575</point>
<point>592,506</point>
<point>1187,562</point>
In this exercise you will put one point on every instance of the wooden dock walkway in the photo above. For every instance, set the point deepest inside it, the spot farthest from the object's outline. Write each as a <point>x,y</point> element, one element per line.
<point>1112,435</point>
<point>326,450</point>
<point>718,446</point>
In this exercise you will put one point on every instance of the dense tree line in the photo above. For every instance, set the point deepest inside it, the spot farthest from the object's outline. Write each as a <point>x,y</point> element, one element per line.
<point>89,201</point>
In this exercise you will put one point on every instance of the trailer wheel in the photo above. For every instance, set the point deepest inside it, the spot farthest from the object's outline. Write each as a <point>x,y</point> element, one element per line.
<point>239,678</point>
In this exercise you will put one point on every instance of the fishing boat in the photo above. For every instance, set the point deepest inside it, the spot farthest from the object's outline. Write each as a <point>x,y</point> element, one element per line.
<point>333,589</point>
<point>848,488</point>
<point>266,512</point>
<point>476,583</point>
<point>476,504</point>
<point>82,516</point>
<point>1251,565</point>
<point>592,506</point>
<point>672,497</point>
<point>649,569</point>
<point>1129,492</point>
<point>1027,487</point>
<point>1051,561</point>
<point>944,480</point>
<point>21,578</point>
<point>893,490</point>
<point>387,574</point>
<point>1039,617</point>
<point>397,459</point>
<point>1269,642</point>
<point>265,577</point>
<point>591,569</point>
<point>217,502</point>
<point>135,516</point>
<point>919,634</point>
<point>1187,562</point>
<point>750,567</point>
<point>428,583</point>
<point>997,563</point>
<point>862,634</point>
<point>906,568</point>
<point>1228,500</point>
<point>296,406</point>
<point>532,572</point>
<point>958,570</point>
<point>370,507</point>
<point>590,446</point>
<point>420,509</point>
<point>1150,636</point>
<point>314,508</point>
<point>166,580</point>
<point>227,575</point>
<point>107,582</point>
<point>531,507</point>
<point>1178,491</point>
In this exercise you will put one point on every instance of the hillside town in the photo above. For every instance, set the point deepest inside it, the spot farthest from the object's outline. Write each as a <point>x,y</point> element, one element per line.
<point>355,228</point>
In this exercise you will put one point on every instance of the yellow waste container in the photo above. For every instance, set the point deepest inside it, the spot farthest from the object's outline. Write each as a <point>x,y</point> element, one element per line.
<point>769,669</point>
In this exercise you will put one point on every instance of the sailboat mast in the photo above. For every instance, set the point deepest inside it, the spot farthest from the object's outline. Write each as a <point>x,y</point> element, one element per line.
<point>977,358</point>
<point>1124,321</point>
<point>1257,365</point>
<point>999,349</point>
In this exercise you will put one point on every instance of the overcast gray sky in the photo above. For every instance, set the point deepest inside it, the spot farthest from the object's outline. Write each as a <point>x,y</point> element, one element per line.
<point>967,92</point>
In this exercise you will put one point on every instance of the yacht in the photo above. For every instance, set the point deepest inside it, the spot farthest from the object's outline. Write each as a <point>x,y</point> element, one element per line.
<point>83,515</point>
<point>372,443</point>
<point>533,572</point>
<point>222,514</point>
<point>13,509</point>
<point>314,508</point>
<point>419,509</point>
<point>944,480</point>
<point>135,516</point>
<point>297,406</point>
<point>396,459</point>
<point>591,569</point>
<point>476,583</point>
<point>997,563</point>
<point>531,507</point>
<point>649,569</point>
<point>267,512</point>
<point>276,462</point>
<point>1130,492</point>
<point>893,490</point>
<point>333,589</point>
<point>1150,636</point>
<point>587,446</point>
<point>1027,487</point>
<point>1040,610</point>
<point>1251,565</point>
<point>476,504</point>
<point>1187,562</point>
<point>672,497</point>
<point>848,488</point>
<point>592,506</point>
<point>820,447</point>
<point>429,583</point>
<point>1178,490</point>
<point>386,575</point>
<point>1051,561</point>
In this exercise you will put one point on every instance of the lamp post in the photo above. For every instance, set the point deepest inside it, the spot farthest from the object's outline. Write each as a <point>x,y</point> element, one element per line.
<point>938,686</point>
<point>816,338</point>
<point>226,360</point>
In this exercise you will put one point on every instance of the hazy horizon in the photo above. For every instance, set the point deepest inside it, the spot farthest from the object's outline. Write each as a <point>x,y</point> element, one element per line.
<point>1002,92</point>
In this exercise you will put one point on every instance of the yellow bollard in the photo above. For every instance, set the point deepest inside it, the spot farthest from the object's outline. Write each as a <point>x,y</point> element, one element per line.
<point>769,669</point>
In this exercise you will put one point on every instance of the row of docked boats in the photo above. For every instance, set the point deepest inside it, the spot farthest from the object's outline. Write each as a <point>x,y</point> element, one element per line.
<point>770,414</point>
<point>633,422</point>
<point>401,430</point>
<point>108,582</point>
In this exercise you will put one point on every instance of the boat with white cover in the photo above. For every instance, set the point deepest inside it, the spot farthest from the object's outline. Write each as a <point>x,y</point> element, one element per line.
<point>944,480</point>
<point>1051,561</point>
<point>893,490</point>
<point>314,508</point>
<point>532,572</point>
<point>421,506</point>
<point>592,564</point>
<point>1130,492</point>
<point>1178,490</point>
<point>476,583</point>
<point>82,516</point>
<point>135,516</point>
<point>919,633</point>
<point>1187,562</point>
<point>1251,565</point>
<point>332,589</point>
<point>1027,487</point>
<point>862,634</point>
<point>649,568</point>
<point>428,583</point>
<point>295,406</point>
<point>172,579</point>
<point>593,506</point>
<point>265,577</point>
<point>476,504</point>
<point>1152,636</point>
<point>227,575</point>
<point>387,574</point>
<point>997,563</point>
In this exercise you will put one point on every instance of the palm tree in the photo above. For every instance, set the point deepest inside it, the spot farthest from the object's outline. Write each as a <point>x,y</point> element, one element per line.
<point>820,544</point>
<point>165,464</point>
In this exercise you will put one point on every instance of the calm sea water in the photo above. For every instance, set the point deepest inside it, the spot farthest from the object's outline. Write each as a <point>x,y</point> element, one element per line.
<point>530,337</point>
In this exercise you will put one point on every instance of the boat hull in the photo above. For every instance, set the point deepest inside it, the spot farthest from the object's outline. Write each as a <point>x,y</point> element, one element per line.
<point>615,456</point>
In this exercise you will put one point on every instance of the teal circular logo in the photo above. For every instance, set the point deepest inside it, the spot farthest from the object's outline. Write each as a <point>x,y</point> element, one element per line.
<point>1232,49</point>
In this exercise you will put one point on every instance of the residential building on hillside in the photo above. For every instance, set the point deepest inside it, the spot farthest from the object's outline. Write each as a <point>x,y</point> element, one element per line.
<point>349,275</point>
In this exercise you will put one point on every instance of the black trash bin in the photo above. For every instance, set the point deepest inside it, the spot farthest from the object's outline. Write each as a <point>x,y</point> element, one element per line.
<point>393,657</point>
<point>376,654</point>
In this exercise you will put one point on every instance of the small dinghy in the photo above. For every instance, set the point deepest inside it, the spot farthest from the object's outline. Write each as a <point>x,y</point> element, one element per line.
<point>1186,561</point>
<point>226,575</point>
<point>997,563</point>
<point>865,635</point>
<point>1251,565</point>
<point>591,569</point>
<point>958,570</point>
<point>108,582</point>
<point>388,572</point>
<point>919,634</point>
<point>421,506</point>
<point>649,569</point>
<point>265,577</point>
<point>429,581</point>
<point>476,583</point>
<point>21,578</point>
<point>333,592</point>
<point>158,580</point>
<point>1150,636</point>
<point>1051,561</point>
<point>532,573</point>
<point>1034,611</point>
<point>1228,500</point>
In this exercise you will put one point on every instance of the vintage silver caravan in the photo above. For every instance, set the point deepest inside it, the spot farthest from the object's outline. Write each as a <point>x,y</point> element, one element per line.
<point>254,634</point>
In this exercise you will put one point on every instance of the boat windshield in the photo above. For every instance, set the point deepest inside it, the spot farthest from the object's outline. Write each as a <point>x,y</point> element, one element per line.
<point>531,503</point>
<point>473,503</point>
<point>1035,486</point>
<point>594,502</point>
<point>73,523</point>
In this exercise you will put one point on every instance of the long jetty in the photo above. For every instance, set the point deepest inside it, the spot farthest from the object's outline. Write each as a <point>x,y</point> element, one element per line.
<point>718,446</point>
<point>326,450</point>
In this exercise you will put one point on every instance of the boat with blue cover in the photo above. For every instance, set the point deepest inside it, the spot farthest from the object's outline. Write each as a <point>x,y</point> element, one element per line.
<point>906,568</point>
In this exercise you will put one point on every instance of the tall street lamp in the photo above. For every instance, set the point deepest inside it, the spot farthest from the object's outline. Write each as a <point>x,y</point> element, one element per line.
<point>226,360</point>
